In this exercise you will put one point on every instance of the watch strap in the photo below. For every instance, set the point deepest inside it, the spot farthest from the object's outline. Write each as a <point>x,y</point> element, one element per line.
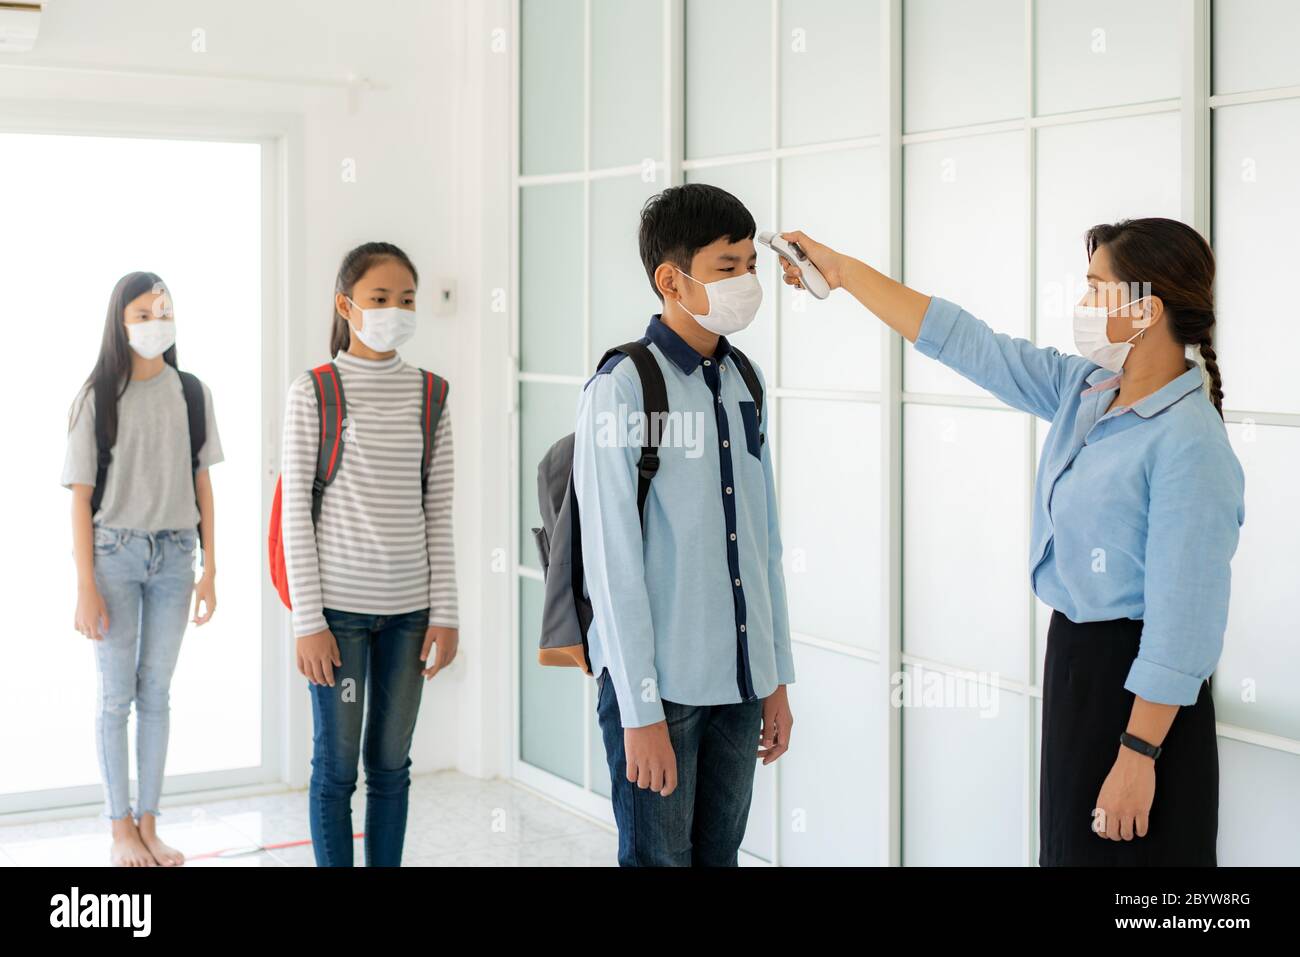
<point>1137,744</point>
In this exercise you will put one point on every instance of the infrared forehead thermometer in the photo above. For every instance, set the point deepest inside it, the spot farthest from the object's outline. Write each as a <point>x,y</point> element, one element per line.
<point>812,280</point>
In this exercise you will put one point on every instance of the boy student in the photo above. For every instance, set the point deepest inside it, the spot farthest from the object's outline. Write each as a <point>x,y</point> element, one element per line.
<point>690,639</point>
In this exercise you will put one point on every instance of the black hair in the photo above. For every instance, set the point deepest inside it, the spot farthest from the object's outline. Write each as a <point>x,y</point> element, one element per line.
<point>113,367</point>
<point>680,221</point>
<point>1179,264</point>
<point>356,264</point>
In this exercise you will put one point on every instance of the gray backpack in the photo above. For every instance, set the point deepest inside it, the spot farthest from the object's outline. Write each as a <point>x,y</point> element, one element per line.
<point>566,609</point>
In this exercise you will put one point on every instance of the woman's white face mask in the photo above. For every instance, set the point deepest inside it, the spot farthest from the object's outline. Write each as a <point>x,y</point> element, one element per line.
<point>1093,341</point>
<point>733,303</point>
<point>385,329</point>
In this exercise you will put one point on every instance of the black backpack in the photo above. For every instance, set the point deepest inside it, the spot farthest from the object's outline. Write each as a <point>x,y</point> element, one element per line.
<point>105,397</point>
<point>566,611</point>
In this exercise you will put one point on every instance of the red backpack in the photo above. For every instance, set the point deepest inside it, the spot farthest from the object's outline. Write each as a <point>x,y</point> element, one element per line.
<point>333,415</point>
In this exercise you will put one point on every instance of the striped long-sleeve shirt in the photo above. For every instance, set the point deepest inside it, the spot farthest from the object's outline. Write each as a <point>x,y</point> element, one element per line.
<point>379,547</point>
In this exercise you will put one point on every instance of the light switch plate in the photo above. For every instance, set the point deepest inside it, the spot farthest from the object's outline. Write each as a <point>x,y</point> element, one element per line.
<point>446,302</point>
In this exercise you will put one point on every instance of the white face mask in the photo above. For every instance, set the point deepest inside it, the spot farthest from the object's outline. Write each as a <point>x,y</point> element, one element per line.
<point>733,303</point>
<point>1092,340</point>
<point>152,337</point>
<point>385,329</point>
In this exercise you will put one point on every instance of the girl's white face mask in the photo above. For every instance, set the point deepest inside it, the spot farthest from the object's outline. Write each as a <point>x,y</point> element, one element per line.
<point>1092,340</point>
<point>152,337</point>
<point>385,329</point>
<point>733,303</point>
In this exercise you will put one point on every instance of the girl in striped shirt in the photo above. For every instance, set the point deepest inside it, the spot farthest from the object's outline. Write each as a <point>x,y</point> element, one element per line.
<point>372,580</point>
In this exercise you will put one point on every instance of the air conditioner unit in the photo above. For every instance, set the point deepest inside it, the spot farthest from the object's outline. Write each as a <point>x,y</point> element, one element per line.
<point>19,24</point>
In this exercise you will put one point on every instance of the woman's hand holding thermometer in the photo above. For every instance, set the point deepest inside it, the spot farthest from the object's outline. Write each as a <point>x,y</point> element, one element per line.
<point>901,307</point>
<point>807,264</point>
<point>792,256</point>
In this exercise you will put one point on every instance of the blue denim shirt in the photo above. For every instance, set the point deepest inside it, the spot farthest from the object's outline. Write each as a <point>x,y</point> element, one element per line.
<point>695,611</point>
<point>1136,511</point>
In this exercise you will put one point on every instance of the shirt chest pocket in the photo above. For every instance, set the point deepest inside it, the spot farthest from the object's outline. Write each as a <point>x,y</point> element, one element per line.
<point>754,437</point>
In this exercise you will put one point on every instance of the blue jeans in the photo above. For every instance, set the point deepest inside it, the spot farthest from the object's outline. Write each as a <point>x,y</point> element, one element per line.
<point>702,823</point>
<point>381,665</point>
<point>146,580</point>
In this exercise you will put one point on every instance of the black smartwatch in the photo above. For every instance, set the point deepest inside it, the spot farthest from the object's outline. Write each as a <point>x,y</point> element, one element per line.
<point>1137,744</point>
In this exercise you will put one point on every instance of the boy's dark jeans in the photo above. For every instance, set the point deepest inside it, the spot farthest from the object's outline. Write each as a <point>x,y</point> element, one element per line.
<point>702,823</point>
<point>380,675</point>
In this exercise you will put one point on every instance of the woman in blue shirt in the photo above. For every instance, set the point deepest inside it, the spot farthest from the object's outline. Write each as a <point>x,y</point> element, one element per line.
<point>1137,510</point>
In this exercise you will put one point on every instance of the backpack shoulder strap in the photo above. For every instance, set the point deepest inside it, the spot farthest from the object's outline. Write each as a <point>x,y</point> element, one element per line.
<point>197,413</point>
<point>332,408</point>
<point>434,397</point>
<point>751,380</point>
<point>654,395</point>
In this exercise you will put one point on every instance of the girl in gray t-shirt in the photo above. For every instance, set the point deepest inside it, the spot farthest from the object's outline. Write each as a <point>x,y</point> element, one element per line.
<point>136,532</point>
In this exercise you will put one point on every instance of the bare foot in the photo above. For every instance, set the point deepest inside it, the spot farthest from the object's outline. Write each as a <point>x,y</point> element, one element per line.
<point>128,849</point>
<point>164,854</point>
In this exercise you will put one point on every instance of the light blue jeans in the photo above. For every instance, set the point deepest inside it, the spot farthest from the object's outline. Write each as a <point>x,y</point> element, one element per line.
<point>147,581</point>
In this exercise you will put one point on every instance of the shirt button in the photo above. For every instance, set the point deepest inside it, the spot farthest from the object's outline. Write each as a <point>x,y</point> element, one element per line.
<point>728,489</point>
<point>726,444</point>
<point>719,399</point>
<point>742,627</point>
<point>706,362</point>
<point>737,582</point>
<point>733,536</point>
<point>722,367</point>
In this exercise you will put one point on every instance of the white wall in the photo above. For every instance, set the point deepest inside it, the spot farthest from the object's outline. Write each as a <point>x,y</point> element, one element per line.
<point>426,179</point>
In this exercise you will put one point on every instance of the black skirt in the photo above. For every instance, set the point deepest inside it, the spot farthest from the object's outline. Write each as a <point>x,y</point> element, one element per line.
<point>1085,707</point>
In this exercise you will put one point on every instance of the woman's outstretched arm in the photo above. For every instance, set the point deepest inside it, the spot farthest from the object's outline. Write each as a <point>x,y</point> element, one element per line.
<point>900,307</point>
<point>1024,375</point>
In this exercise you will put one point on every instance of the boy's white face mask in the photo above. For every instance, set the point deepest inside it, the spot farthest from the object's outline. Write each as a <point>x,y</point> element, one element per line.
<point>385,329</point>
<point>1093,341</point>
<point>733,303</point>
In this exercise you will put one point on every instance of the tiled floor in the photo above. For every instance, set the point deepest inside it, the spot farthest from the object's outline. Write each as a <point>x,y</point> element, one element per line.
<point>454,820</point>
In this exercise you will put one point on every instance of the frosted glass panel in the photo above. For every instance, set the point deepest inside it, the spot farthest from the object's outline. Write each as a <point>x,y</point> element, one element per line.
<point>550,279</point>
<point>1042,612</point>
<point>963,773</point>
<point>964,239</point>
<point>751,183</point>
<point>1106,53</point>
<point>622,301</point>
<point>830,45</point>
<point>1255,44</point>
<point>830,518</point>
<point>833,778</point>
<point>1087,175</point>
<point>1257,799</point>
<point>963,62</point>
<point>965,529</point>
<point>626,82</point>
<point>1261,661</point>
<point>550,699</point>
<point>600,782</point>
<point>837,199</point>
<point>728,77</point>
<point>762,807</point>
<point>1256,201</point>
<point>547,413</point>
<point>1035,761</point>
<point>550,86</point>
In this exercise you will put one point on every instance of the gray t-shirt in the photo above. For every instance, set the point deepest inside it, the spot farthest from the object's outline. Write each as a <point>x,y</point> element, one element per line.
<point>149,485</point>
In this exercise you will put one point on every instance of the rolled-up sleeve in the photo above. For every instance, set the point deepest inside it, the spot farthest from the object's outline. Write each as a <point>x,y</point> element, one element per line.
<point>1197,508</point>
<point>605,482</point>
<point>1025,376</point>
